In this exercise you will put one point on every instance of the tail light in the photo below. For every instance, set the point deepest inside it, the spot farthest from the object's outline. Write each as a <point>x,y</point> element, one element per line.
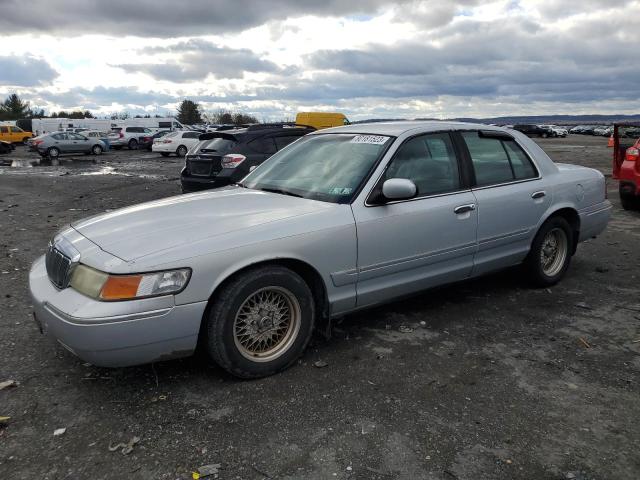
<point>37,142</point>
<point>632,154</point>
<point>121,135</point>
<point>166,141</point>
<point>232,160</point>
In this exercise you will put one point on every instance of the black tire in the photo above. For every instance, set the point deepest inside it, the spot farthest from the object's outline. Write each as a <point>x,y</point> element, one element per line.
<point>221,340</point>
<point>545,135</point>
<point>164,154</point>
<point>133,144</point>
<point>181,151</point>
<point>96,150</point>
<point>630,203</point>
<point>53,152</point>
<point>533,264</point>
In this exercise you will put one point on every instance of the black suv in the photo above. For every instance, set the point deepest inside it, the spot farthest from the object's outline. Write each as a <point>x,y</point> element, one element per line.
<point>241,149</point>
<point>535,130</point>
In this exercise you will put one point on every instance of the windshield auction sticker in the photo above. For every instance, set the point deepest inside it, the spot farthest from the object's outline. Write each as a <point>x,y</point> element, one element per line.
<point>370,139</point>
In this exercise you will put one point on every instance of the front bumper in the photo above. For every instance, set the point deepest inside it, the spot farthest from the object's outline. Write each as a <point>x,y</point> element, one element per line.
<point>114,334</point>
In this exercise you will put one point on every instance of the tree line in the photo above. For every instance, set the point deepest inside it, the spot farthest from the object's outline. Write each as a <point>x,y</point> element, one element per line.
<point>189,112</point>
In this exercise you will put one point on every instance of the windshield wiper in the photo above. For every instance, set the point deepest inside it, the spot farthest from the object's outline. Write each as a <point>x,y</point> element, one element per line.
<point>280,191</point>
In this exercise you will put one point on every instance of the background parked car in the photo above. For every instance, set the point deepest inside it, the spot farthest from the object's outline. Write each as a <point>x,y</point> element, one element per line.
<point>97,134</point>
<point>176,142</point>
<point>13,134</point>
<point>558,131</point>
<point>52,145</point>
<point>603,131</point>
<point>129,137</point>
<point>223,158</point>
<point>531,130</point>
<point>148,144</point>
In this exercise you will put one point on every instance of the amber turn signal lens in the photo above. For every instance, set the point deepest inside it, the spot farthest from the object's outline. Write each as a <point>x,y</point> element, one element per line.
<point>118,287</point>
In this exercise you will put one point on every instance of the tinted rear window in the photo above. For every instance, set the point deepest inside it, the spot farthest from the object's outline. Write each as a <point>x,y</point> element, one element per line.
<point>219,145</point>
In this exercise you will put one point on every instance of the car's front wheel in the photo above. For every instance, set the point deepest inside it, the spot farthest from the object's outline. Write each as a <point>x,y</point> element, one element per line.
<point>550,253</point>
<point>261,322</point>
<point>133,144</point>
<point>96,150</point>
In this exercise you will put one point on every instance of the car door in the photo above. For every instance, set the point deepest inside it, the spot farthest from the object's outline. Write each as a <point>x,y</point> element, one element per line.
<point>510,194</point>
<point>406,246</point>
<point>77,143</point>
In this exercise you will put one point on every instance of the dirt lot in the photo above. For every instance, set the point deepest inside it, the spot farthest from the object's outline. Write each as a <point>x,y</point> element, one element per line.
<point>491,380</point>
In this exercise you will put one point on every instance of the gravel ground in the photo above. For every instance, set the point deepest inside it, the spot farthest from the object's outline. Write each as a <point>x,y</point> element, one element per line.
<point>485,379</point>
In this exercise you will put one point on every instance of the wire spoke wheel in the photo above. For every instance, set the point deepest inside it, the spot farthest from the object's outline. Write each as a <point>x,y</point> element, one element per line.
<point>267,324</point>
<point>554,252</point>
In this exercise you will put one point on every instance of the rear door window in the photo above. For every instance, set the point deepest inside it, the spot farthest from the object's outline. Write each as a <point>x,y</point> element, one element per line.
<point>284,140</point>
<point>497,161</point>
<point>263,145</point>
<point>4,129</point>
<point>191,135</point>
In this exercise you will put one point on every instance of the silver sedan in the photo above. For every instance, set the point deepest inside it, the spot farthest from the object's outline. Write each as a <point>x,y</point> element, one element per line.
<point>341,220</point>
<point>54,144</point>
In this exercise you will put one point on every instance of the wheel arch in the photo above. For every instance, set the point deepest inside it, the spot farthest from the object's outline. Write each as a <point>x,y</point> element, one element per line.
<point>570,214</point>
<point>307,272</point>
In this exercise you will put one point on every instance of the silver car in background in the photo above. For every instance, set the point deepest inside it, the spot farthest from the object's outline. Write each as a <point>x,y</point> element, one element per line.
<point>54,144</point>
<point>343,219</point>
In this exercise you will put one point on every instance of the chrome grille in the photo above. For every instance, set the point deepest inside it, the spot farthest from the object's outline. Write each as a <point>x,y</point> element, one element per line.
<point>58,267</point>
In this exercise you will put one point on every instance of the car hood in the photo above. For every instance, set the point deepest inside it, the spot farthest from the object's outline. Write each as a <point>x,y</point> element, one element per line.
<point>134,232</point>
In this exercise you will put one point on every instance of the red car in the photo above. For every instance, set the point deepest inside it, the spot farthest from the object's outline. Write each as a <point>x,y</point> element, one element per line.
<point>626,168</point>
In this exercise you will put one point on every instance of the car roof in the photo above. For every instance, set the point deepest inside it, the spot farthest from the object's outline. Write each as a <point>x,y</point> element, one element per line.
<point>396,129</point>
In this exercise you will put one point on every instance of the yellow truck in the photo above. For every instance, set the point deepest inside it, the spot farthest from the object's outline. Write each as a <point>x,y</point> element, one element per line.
<point>321,120</point>
<point>13,134</point>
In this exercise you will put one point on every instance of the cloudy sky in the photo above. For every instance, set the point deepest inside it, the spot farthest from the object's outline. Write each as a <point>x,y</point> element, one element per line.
<point>366,58</point>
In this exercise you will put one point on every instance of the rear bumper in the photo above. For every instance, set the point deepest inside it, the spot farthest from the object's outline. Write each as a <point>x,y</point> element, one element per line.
<point>136,332</point>
<point>192,183</point>
<point>594,219</point>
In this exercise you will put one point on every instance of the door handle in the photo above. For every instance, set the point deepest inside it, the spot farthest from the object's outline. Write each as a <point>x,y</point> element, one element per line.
<point>464,208</point>
<point>540,194</point>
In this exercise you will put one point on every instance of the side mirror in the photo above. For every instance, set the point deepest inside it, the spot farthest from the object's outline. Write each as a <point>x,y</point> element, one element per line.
<point>398,189</point>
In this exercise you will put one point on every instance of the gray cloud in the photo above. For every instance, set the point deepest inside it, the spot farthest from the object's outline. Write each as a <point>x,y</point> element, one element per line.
<point>99,97</point>
<point>25,71</point>
<point>165,18</point>
<point>198,59</point>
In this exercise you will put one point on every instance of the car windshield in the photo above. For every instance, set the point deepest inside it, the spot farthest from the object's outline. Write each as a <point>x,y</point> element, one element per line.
<point>326,167</point>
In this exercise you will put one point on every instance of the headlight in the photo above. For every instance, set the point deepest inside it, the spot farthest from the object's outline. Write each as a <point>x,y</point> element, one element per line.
<point>102,286</point>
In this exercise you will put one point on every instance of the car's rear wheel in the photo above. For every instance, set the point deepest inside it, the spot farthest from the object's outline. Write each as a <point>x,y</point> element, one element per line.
<point>133,144</point>
<point>181,151</point>
<point>96,150</point>
<point>550,253</point>
<point>261,322</point>
<point>53,152</point>
<point>629,202</point>
<point>164,154</point>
